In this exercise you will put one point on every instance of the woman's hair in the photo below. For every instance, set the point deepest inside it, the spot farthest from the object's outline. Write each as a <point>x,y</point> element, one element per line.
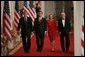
<point>50,15</point>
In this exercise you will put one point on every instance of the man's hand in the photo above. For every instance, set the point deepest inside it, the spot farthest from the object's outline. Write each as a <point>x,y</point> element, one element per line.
<point>45,32</point>
<point>59,32</point>
<point>70,32</point>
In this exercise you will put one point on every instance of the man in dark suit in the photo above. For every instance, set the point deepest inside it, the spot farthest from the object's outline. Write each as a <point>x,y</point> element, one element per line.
<point>40,28</point>
<point>64,29</point>
<point>25,23</point>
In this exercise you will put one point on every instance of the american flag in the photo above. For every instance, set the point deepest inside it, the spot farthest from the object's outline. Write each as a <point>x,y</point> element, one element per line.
<point>29,8</point>
<point>6,20</point>
<point>82,38</point>
<point>16,15</point>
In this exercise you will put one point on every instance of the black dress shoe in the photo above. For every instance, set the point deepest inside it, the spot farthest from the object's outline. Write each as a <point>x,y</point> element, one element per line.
<point>63,50</point>
<point>67,51</point>
<point>39,50</point>
<point>26,51</point>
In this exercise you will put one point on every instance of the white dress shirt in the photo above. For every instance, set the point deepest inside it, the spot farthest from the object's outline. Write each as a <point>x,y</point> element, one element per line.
<point>63,22</point>
<point>25,18</point>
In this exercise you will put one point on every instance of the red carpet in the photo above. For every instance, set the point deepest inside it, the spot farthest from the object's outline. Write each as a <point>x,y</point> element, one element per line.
<point>46,49</point>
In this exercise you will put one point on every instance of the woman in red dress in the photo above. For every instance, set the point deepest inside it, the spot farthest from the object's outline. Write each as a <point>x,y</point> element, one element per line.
<point>51,28</point>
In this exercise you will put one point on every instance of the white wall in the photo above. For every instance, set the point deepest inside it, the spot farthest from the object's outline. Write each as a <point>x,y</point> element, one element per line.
<point>43,7</point>
<point>78,15</point>
<point>49,8</point>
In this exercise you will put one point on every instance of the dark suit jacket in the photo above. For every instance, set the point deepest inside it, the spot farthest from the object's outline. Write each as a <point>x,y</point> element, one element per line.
<point>66,28</point>
<point>40,27</point>
<point>26,26</point>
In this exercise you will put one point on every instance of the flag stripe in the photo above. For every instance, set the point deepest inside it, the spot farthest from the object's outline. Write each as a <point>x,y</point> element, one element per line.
<point>6,23</point>
<point>15,24</point>
<point>7,28</point>
<point>16,20</point>
<point>82,51</point>
<point>82,28</point>
<point>29,9</point>
<point>6,17</point>
<point>33,10</point>
<point>82,43</point>
<point>29,13</point>
<point>16,15</point>
<point>8,33</point>
<point>82,38</point>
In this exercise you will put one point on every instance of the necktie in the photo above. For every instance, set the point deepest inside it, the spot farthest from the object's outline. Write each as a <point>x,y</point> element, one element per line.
<point>25,20</point>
